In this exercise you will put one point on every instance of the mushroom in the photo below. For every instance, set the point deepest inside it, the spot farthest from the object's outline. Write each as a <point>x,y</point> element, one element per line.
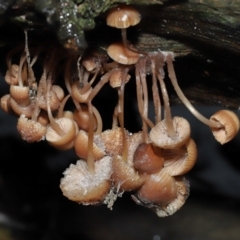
<point>159,134</point>
<point>124,175</point>
<point>230,125</point>
<point>163,194</point>
<point>147,158</point>
<point>85,187</point>
<point>180,161</point>
<point>122,17</point>
<point>119,53</point>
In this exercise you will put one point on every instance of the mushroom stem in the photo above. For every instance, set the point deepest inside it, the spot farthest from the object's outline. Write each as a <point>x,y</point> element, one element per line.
<point>115,115</point>
<point>199,116</point>
<point>169,123</point>
<point>145,98</point>
<point>55,126</point>
<point>63,103</point>
<point>86,87</point>
<point>156,99</point>
<point>20,81</point>
<point>127,45</point>
<point>31,77</point>
<point>139,87</point>
<point>121,116</point>
<point>99,121</point>
<point>90,158</point>
<point>67,80</point>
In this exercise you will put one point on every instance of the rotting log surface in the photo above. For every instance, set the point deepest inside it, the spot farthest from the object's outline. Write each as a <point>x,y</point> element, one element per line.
<point>204,35</point>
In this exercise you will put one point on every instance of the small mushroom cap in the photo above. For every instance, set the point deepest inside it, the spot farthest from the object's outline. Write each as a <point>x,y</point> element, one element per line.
<point>230,123</point>
<point>30,131</point>
<point>5,103</point>
<point>19,110</point>
<point>180,161</point>
<point>77,95</point>
<point>11,76</point>
<point>124,176</point>
<point>59,92</point>
<point>123,17</point>
<point>122,55</point>
<point>117,78</point>
<point>81,146</point>
<point>82,186</point>
<point>82,118</point>
<point>113,141</point>
<point>20,94</point>
<point>159,134</point>
<point>159,188</point>
<point>183,193</point>
<point>147,158</point>
<point>62,142</point>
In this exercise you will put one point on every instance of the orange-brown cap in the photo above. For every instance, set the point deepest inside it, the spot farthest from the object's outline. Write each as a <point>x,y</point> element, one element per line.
<point>159,134</point>
<point>82,186</point>
<point>230,125</point>
<point>123,17</point>
<point>119,53</point>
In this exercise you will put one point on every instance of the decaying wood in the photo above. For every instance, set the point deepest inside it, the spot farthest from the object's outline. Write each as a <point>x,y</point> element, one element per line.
<point>208,30</point>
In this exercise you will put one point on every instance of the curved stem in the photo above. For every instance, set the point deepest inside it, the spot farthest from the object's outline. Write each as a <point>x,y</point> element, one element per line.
<point>86,87</point>
<point>55,126</point>
<point>99,120</point>
<point>127,45</point>
<point>67,80</point>
<point>104,79</point>
<point>186,102</point>
<point>63,103</point>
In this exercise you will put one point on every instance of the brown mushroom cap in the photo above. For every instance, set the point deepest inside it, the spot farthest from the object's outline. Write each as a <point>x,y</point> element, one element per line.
<point>62,142</point>
<point>182,194</point>
<point>81,146</point>
<point>82,186</point>
<point>147,158</point>
<point>124,175</point>
<point>159,134</point>
<point>123,17</point>
<point>117,77</point>
<point>113,141</point>
<point>30,131</point>
<point>180,161</point>
<point>121,54</point>
<point>230,123</point>
<point>159,189</point>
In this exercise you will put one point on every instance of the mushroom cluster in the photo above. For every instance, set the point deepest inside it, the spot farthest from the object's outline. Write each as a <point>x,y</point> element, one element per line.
<point>151,163</point>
